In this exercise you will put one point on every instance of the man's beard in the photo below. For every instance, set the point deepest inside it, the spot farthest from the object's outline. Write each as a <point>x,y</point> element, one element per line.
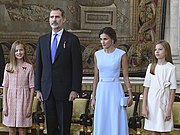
<point>54,26</point>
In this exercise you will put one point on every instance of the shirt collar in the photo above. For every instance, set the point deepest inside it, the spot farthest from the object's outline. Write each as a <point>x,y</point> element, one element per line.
<point>59,32</point>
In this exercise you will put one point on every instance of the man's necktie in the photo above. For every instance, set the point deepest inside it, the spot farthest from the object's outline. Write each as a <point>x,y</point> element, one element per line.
<point>54,47</point>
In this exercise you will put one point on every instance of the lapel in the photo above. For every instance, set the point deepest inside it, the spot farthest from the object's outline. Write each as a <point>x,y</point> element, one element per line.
<point>47,46</point>
<point>61,44</point>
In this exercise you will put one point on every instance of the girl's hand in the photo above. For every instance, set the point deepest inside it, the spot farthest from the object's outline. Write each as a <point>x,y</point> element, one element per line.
<point>167,115</point>
<point>5,111</point>
<point>29,112</point>
<point>93,101</point>
<point>145,112</point>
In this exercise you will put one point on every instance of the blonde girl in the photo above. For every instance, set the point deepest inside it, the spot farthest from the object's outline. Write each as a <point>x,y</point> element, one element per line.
<point>18,90</point>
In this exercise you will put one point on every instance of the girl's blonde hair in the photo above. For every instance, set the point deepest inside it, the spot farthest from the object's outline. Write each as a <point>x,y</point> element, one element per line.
<point>168,56</point>
<point>13,62</point>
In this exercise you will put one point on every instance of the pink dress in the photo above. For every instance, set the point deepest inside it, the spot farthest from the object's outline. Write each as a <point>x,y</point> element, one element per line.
<point>18,95</point>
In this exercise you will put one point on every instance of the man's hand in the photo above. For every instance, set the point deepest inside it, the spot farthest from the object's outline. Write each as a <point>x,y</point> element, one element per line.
<point>39,96</point>
<point>73,95</point>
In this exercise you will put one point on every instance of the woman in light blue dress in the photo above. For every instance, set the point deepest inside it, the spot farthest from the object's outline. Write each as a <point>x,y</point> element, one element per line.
<point>108,98</point>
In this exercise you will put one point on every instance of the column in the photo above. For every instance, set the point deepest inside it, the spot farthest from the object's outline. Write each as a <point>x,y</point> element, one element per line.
<point>172,34</point>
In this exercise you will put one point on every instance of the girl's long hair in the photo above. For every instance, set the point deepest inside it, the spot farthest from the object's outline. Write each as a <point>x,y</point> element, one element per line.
<point>168,56</point>
<point>13,61</point>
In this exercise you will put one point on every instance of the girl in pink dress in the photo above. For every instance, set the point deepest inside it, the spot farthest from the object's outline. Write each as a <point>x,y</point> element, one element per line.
<point>18,91</point>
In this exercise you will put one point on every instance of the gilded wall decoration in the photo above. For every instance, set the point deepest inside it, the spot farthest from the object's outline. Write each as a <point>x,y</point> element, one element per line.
<point>97,3</point>
<point>30,47</point>
<point>137,23</point>
<point>28,13</point>
<point>149,21</point>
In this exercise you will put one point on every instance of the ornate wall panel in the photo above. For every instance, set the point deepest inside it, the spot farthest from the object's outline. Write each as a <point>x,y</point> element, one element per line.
<point>137,23</point>
<point>98,17</point>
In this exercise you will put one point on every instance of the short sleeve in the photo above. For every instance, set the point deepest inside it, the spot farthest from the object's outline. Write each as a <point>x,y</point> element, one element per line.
<point>147,80</point>
<point>173,78</point>
<point>122,52</point>
<point>31,77</point>
<point>6,77</point>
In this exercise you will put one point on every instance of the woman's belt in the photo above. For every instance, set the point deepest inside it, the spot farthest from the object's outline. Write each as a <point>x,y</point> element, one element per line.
<point>109,79</point>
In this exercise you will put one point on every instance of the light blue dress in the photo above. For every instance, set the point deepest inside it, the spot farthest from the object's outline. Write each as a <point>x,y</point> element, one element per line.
<point>109,117</point>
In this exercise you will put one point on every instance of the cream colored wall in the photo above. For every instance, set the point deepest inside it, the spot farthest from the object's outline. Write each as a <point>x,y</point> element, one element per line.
<point>172,34</point>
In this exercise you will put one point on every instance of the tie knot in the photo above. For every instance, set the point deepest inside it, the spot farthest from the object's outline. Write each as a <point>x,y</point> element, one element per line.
<point>55,34</point>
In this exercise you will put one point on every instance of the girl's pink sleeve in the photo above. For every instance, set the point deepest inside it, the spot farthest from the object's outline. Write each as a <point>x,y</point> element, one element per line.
<point>6,78</point>
<point>31,77</point>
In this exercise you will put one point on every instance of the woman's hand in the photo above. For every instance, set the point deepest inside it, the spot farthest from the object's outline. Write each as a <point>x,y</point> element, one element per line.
<point>130,101</point>
<point>93,101</point>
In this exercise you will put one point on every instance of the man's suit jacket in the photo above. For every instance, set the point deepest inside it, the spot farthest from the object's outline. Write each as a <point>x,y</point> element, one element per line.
<point>65,74</point>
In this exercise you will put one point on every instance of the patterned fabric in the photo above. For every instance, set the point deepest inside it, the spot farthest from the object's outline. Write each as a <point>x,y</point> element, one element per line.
<point>18,95</point>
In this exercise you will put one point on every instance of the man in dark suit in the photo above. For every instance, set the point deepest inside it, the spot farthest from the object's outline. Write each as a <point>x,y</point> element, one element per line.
<point>2,64</point>
<point>58,79</point>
